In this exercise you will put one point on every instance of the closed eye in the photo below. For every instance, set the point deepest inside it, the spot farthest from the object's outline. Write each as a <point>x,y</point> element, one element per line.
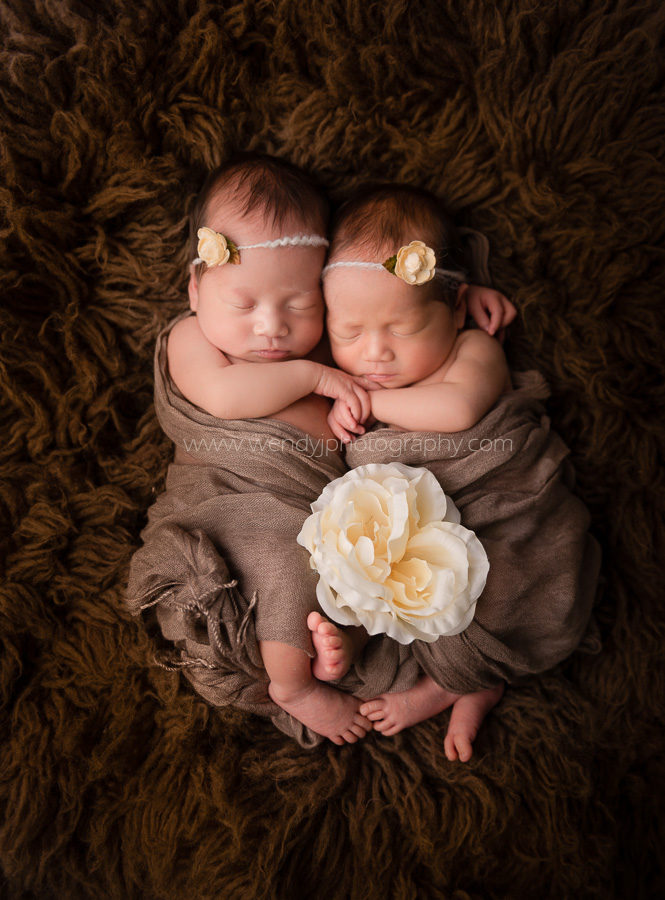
<point>343,337</point>
<point>407,333</point>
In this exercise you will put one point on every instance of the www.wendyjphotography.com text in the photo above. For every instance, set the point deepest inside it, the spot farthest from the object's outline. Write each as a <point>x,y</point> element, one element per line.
<point>393,446</point>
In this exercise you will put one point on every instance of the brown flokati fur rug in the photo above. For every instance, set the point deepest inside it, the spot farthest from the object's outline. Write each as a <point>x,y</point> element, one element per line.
<point>541,123</point>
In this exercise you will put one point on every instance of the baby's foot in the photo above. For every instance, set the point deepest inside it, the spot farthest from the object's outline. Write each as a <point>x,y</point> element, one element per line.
<point>466,718</point>
<point>390,713</point>
<point>334,649</point>
<point>325,710</point>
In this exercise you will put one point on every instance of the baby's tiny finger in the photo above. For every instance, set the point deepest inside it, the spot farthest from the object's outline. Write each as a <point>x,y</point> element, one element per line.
<point>336,428</point>
<point>341,433</point>
<point>352,425</point>
<point>346,418</point>
<point>509,313</point>
<point>479,313</point>
<point>494,321</point>
<point>354,407</point>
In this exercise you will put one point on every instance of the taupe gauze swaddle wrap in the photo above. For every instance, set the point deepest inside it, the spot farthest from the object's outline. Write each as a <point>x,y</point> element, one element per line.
<point>232,514</point>
<point>511,479</point>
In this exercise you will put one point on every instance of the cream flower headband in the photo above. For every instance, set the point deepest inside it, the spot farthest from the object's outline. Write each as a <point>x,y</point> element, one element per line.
<point>414,263</point>
<point>215,249</point>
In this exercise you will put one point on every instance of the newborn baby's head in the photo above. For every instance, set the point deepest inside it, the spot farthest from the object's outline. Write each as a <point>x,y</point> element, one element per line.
<point>264,303</point>
<point>394,324</point>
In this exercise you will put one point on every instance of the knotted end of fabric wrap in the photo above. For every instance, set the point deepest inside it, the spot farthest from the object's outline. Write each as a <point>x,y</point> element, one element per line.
<point>196,602</point>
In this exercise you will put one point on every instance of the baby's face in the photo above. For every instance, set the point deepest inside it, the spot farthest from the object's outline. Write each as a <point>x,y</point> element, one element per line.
<point>269,307</point>
<point>385,329</point>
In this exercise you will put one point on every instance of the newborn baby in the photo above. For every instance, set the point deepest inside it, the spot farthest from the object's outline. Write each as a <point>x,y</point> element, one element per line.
<point>395,290</point>
<point>252,350</point>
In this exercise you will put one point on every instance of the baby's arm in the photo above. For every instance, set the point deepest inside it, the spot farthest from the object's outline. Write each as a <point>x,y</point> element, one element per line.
<point>250,390</point>
<point>470,387</point>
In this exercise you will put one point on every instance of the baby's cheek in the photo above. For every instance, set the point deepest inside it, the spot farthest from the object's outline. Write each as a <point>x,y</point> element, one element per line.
<point>315,333</point>
<point>344,357</point>
<point>413,361</point>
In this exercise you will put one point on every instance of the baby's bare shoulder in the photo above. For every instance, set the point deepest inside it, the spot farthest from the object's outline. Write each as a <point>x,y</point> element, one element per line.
<point>191,357</point>
<point>187,344</point>
<point>479,345</point>
<point>480,356</point>
<point>184,333</point>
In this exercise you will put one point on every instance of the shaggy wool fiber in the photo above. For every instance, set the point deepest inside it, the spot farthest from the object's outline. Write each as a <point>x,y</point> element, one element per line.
<point>543,124</point>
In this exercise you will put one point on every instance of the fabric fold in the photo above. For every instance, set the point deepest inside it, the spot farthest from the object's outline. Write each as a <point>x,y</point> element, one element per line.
<point>220,569</point>
<point>511,478</point>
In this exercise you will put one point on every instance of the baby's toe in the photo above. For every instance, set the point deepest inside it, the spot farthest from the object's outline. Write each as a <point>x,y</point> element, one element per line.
<point>358,730</point>
<point>371,706</point>
<point>331,642</point>
<point>464,748</point>
<point>449,747</point>
<point>384,725</point>
<point>314,621</point>
<point>395,728</point>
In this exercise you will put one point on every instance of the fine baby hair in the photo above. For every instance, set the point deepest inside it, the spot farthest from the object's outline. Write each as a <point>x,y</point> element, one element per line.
<point>380,219</point>
<point>255,182</point>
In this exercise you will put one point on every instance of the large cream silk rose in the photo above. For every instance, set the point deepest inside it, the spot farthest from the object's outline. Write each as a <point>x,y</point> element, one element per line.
<point>392,556</point>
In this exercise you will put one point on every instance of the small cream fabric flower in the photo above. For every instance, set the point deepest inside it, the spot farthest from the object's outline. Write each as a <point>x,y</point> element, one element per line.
<point>214,249</point>
<point>414,263</point>
<point>392,556</point>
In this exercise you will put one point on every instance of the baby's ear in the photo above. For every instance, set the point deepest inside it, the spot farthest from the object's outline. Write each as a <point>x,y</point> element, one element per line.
<point>193,289</point>
<point>460,305</point>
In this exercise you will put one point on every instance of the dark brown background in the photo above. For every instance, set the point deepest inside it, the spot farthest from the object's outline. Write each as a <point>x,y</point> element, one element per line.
<point>540,123</point>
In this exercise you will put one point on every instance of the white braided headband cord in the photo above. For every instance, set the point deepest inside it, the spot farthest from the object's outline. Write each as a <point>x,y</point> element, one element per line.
<point>296,240</point>
<point>448,274</point>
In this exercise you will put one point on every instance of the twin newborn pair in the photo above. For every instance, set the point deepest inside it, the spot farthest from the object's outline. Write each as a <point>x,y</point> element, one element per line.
<point>395,294</point>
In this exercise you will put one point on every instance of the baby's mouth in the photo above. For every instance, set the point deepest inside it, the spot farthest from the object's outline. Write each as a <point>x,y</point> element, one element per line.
<point>272,353</point>
<point>379,377</point>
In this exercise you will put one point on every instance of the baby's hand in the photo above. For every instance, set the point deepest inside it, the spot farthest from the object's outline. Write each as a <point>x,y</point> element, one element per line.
<point>491,310</point>
<point>342,423</point>
<point>348,390</point>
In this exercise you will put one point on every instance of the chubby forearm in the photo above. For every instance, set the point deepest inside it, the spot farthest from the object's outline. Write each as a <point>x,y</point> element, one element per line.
<point>431,407</point>
<point>254,390</point>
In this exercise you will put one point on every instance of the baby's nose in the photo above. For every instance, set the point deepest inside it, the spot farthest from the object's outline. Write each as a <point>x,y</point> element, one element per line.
<point>377,349</point>
<point>271,325</point>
